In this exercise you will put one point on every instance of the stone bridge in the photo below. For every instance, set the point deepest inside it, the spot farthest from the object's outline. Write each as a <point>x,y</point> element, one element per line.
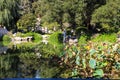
<point>29,38</point>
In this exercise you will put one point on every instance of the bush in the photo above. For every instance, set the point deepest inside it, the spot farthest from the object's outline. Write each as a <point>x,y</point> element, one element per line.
<point>26,21</point>
<point>56,38</point>
<point>82,40</point>
<point>37,37</point>
<point>105,37</point>
<point>6,38</point>
<point>29,34</point>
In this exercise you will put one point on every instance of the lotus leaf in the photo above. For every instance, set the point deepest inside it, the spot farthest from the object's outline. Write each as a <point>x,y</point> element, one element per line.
<point>99,73</point>
<point>92,63</point>
<point>117,65</point>
<point>101,64</point>
<point>118,51</point>
<point>84,63</point>
<point>92,51</point>
<point>74,73</point>
<point>77,60</point>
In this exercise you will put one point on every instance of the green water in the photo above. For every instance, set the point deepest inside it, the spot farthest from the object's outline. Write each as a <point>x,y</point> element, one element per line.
<point>30,60</point>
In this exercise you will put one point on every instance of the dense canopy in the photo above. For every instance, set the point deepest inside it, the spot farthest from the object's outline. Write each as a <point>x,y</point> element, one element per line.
<point>91,15</point>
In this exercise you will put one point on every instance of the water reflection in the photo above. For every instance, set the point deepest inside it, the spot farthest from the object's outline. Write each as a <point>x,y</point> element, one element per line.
<point>29,60</point>
<point>3,49</point>
<point>37,74</point>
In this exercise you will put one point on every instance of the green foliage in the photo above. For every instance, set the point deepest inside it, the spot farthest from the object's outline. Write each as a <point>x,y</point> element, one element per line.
<point>49,50</point>
<point>107,16</point>
<point>105,38</point>
<point>7,61</point>
<point>77,60</point>
<point>48,71</point>
<point>93,59</point>
<point>74,73</point>
<point>56,38</point>
<point>25,6</point>
<point>92,63</point>
<point>6,38</point>
<point>117,65</point>
<point>82,40</point>
<point>51,26</point>
<point>36,36</point>
<point>26,21</point>
<point>71,12</point>
<point>92,51</point>
<point>66,17</point>
<point>98,73</point>
<point>8,12</point>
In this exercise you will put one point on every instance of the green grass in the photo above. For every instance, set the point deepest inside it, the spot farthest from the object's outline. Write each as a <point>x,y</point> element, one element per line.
<point>105,38</point>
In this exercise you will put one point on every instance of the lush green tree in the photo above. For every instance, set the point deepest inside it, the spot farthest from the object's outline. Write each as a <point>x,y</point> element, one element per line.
<point>26,22</point>
<point>107,16</point>
<point>9,12</point>
<point>58,11</point>
<point>26,6</point>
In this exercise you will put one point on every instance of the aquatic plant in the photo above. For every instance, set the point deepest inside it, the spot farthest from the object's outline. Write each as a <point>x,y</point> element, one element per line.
<point>94,59</point>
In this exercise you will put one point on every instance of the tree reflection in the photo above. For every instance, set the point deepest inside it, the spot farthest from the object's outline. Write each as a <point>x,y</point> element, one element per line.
<point>23,62</point>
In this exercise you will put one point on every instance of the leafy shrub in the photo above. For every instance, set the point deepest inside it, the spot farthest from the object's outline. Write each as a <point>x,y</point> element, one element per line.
<point>26,20</point>
<point>105,37</point>
<point>56,38</point>
<point>37,37</point>
<point>82,40</point>
<point>6,38</point>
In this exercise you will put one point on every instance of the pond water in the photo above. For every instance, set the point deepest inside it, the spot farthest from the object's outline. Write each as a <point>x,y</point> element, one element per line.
<point>30,60</point>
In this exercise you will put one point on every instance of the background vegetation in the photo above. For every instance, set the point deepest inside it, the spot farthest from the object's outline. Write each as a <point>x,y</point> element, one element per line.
<point>92,15</point>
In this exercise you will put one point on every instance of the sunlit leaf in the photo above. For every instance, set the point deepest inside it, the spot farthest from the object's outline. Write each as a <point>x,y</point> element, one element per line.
<point>74,73</point>
<point>99,73</point>
<point>84,63</point>
<point>70,54</point>
<point>92,63</point>
<point>101,64</point>
<point>77,60</point>
<point>92,51</point>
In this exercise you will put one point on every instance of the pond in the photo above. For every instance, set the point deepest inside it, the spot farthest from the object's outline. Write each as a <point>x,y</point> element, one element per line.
<point>39,60</point>
<point>30,60</point>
